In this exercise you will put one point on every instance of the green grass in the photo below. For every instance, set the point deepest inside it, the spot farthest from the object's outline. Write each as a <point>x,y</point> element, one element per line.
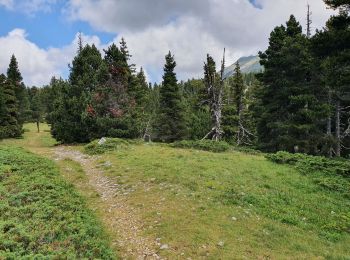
<point>194,200</point>
<point>41,215</point>
<point>230,205</point>
<point>205,145</point>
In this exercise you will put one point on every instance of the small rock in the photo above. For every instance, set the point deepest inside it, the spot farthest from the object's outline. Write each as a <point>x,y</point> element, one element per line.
<point>234,218</point>
<point>107,164</point>
<point>164,247</point>
<point>221,244</point>
<point>102,141</point>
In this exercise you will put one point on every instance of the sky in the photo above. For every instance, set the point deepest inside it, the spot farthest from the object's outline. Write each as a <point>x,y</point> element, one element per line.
<point>43,33</point>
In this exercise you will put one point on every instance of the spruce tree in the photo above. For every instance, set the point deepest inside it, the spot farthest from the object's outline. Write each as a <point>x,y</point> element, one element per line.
<point>238,89</point>
<point>126,55</point>
<point>290,111</point>
<point>110,101</point>
<point>197,109</point>
<point>71,121</point>
<point>13,73</point>
<point>15,78</point>
<point>171,125</point>
<point>331,47</point>
<point>142,111</point>
<point>9,126</point>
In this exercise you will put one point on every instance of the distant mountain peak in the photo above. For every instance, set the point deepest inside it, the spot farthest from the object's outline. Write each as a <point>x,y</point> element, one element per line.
<point>248,64</point>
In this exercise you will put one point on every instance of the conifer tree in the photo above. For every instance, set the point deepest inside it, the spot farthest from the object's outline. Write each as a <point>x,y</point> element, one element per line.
<point>290,109</point>
<point>331,47</point>
<point>142,112</point>
<point>9,126</point>
<point>15,78</point>
<point>171,125</point>
<point>126,55</point>
<point>238,89</point>
<point>111,104</point>
<point>71,121</point>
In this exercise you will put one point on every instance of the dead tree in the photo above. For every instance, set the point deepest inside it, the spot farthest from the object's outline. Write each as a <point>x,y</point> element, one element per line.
<point>308,22</point>
<point>215,85</point>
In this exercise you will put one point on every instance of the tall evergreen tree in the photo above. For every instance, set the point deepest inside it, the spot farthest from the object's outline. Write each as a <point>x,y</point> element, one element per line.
<point>197,109</point>
<point>70,119</point>
<point>111,103</point>
<point>171,125</point>
<point>126,54</point>
<point>332,48</point>
<point>9,126</point>
<point>238,89</point>
<point>15,78</point>
<point>289,106</point>
<point>13,73</point>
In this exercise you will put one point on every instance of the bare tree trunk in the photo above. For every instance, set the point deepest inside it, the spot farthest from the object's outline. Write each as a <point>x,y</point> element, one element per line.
<point>337,129</point>
<point>329,124</point>
<point>215,89</point>
<point>37,125</point>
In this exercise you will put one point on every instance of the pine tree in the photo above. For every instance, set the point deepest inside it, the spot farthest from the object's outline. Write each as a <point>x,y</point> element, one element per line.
<point>36,107</point>
<point>15,78</point>
<point>13,73</point>
<point>111,103</point>
<point>238,89</point>
<point>126,55</point>
<point>197,109</point>
<point>142,112</point>
<point>71,120</point>
<point>290,109</point>
<point>331,47</point>
<point>171,125</point>
<point>338,4</point>
<point>9,126</point>
<point>83,71</point>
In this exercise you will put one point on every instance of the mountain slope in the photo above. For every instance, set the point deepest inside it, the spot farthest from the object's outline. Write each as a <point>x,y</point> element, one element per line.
<point>250,64</point>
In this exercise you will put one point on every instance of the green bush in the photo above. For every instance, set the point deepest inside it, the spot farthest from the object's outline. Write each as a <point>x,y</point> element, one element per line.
<point>111,144</point>
<point>247,150</point>
<point>308,163</point>
<point>330,174</point>
<point>42,216</point>
<point>205,145</point>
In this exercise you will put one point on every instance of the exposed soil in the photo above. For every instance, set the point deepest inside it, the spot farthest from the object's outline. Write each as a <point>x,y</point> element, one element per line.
<point>120,217</point>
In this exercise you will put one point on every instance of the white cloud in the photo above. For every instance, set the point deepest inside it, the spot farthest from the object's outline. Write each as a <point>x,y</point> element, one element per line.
<point>6,3</point>
<point>38,65</point>
<point>190,29</point>
<point>29,7</point>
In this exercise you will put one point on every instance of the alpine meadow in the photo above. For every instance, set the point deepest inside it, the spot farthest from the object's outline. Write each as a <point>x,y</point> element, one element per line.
<point>217,133</point>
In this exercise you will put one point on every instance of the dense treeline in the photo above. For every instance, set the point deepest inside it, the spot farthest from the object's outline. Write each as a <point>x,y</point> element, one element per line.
<point>300,102</point>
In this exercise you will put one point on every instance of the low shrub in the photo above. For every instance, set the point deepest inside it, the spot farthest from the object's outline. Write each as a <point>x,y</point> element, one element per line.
<point>307,163</point>
<point>330,174</point>
<point>109,144</point>
<point>247,150</point>
<point>42,216</point>
<point>205,145</point>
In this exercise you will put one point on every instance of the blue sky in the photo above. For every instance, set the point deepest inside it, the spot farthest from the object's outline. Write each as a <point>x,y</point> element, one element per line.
<point>42,33</point>
<point>48,28</point>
